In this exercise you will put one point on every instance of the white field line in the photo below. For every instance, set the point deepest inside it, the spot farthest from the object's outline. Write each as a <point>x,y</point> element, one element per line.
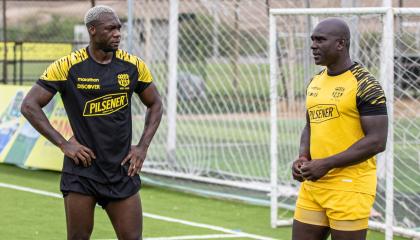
<point>154,216</point>
<point>210,236</point>
<point>31,190</point>
<point>201,225</point>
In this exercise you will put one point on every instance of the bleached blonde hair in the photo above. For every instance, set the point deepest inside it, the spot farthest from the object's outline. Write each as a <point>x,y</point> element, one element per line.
<point>94,13</point>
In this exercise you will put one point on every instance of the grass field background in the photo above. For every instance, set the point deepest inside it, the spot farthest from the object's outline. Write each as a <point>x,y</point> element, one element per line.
<point>249,140</point>
<point>26,215</point>
<point>244,141</point>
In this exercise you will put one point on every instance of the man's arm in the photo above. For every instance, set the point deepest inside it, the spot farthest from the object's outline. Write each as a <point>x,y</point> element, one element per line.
<point>151,99</point>
<point>304,151</point>
<point>31,108</point>
<point>376,131</point>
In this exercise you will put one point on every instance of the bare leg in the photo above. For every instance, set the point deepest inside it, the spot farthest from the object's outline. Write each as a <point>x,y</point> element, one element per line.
<point>79,215</point>
<point>126,217</point>
<point>303,231</point>
<point>348,235</point>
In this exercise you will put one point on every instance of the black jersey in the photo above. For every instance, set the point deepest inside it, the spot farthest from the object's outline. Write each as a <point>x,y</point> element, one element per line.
<point>97,99</point>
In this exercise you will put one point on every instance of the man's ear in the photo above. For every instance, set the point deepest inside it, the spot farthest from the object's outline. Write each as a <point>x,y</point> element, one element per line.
<point>341,44</point>
<point>92,30</point>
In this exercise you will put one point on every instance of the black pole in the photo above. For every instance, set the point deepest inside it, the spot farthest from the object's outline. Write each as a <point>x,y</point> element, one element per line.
<point>92,2</point>
<point>4,43</point>
<point>14,63</point>
<point>21,64</point>
<point>235,55</point>
<point>267,8</point>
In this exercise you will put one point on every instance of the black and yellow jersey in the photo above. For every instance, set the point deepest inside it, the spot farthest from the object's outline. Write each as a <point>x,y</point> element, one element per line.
<point>97,99</point>
<point>334,106</point>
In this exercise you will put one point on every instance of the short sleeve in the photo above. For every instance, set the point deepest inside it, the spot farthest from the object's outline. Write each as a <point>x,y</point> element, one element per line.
<point>370,97</point>
<point>144,79</point>
<point>54,77</point>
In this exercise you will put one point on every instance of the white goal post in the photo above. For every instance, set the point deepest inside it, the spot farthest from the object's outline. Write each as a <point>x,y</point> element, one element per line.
<point>289,30</point>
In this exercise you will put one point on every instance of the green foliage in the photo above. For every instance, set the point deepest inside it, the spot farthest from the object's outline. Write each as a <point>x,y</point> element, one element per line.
<point>57,29</point>
<point>196,36</point>
<point>194,39</point>
<point>370,46</point>
<point>252,43</point>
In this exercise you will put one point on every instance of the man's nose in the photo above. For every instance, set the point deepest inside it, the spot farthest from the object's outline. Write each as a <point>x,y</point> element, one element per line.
<point>117,33</point>
<point>314,45</point>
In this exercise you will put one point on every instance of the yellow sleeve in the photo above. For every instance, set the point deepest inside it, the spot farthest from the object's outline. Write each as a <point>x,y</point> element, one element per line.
<point>144,73</point>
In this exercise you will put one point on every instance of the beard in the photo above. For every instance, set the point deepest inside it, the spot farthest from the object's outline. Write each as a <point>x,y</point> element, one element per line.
<point>108,49</point>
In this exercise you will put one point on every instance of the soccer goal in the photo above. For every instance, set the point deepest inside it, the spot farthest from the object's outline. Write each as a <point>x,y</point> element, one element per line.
<point>384,40</point>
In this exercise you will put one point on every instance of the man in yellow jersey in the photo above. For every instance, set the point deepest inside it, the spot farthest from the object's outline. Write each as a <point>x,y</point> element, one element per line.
<point>100,165</point>
<point>346,126</point>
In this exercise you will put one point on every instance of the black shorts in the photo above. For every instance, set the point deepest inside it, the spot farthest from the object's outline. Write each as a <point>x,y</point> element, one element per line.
<point>103,192</point>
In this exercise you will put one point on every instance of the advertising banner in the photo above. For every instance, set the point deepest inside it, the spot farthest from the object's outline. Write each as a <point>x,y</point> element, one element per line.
<point>20,143</point>
<point>32,51</point>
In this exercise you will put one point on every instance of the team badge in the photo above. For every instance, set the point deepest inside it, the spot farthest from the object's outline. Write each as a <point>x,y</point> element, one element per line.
<point>123,80</point>
<point>338,92</point>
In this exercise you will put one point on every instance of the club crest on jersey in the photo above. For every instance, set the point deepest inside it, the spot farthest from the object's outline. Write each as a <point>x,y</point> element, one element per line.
<point>123,80</point>
<point>338,92</point>
<point>323,112</point>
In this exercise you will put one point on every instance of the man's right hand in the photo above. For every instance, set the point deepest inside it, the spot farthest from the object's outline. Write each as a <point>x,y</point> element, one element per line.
<point>79,153</point>
<point>296,165</point>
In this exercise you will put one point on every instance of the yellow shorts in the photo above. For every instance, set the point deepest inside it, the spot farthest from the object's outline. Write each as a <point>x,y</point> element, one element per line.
<point>339,210</point>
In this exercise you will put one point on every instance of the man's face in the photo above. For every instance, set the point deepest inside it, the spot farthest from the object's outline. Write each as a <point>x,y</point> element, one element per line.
<point>106,32</point>
<point>325,47</point>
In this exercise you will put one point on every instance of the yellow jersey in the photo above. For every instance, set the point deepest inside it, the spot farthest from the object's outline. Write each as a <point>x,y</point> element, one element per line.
<point>334,106</point>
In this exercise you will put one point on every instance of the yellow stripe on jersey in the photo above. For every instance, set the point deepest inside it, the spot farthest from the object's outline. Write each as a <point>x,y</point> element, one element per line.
<point>143,70</point>
<point>368,87</point>
<point>59,70</point>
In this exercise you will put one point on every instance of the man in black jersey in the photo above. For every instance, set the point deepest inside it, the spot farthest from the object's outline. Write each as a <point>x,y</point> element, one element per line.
<point>100,165</point>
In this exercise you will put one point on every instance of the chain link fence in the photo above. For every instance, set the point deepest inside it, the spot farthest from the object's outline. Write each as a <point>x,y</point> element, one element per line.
<point>35,33</point>
<point>367,47</point>
<point>222,121</point>
<point>407,121</point>
<point>26,24</point>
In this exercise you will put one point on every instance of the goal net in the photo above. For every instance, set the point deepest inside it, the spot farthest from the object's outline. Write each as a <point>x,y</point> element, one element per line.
<point>232,130</point>
<point>219,134</point>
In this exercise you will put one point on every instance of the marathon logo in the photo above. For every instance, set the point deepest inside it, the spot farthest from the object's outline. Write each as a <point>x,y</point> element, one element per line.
<point>95,80</point>
<point>105,105</point>
<point>322,113</point>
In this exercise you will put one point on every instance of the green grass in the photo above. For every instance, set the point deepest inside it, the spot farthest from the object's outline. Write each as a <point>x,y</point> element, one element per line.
<point>31,71</point>
<point>30,216</point>
<point>232,215</point>
<point>221,144</point>
<point>233,145</point>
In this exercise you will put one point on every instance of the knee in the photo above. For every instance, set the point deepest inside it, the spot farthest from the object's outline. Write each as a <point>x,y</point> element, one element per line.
<point>81,235</point>
<point>130,236</point>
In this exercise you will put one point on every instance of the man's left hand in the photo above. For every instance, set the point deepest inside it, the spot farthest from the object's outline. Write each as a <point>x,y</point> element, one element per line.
<point>136,157</point>
<point>314,170</point>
